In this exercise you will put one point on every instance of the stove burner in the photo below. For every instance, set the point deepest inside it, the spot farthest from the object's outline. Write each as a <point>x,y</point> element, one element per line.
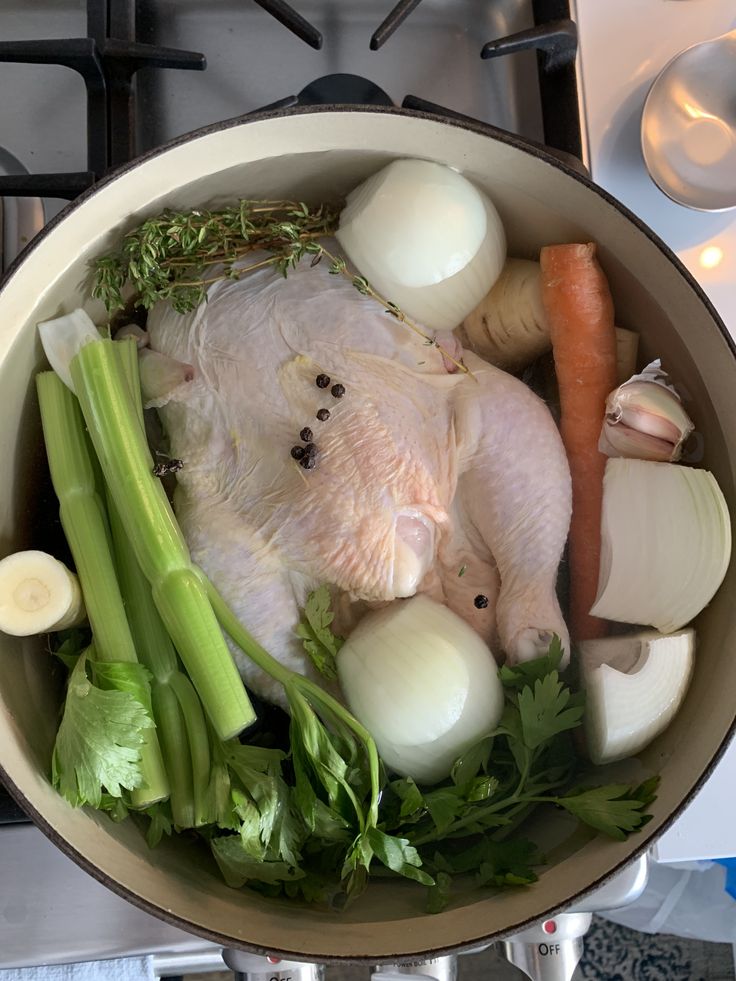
<point>107,60</point>
<point>342,89</point>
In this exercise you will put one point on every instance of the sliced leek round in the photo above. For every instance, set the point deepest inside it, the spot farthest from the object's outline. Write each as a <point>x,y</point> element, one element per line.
<point>37,594</point>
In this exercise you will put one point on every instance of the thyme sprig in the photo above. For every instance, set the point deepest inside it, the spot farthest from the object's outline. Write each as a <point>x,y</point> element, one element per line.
<point>175,256</point>
<point>168,257</point>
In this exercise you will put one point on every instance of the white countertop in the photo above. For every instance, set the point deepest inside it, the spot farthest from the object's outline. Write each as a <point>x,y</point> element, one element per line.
<point>623,47</point>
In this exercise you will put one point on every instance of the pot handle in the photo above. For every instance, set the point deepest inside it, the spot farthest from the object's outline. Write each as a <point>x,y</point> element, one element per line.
<point>421,105</point>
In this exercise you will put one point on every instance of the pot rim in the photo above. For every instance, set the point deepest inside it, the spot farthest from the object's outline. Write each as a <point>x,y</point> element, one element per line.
<point>644,840</point>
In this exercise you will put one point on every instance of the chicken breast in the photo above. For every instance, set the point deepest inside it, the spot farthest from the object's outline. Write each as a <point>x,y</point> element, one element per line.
<point>420,472</point>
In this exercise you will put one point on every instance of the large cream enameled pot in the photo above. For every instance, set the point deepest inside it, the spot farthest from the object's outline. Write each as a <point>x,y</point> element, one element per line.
<point>316,155</point>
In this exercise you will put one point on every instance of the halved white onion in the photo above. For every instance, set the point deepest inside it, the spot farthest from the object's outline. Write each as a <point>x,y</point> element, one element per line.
<point>423,683</point>
<point>426,239</point>
<point>634,687</point>
<point>665,543</point>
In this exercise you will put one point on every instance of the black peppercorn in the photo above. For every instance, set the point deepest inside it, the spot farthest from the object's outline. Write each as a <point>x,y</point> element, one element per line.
<point>167,467</point>
<point>322,381</point>
<point>297,452</point>
<point>480,601</point>
<point>338,391</point>
<point>306,435</point>
<point>309,460</point>
<point>323,414</point>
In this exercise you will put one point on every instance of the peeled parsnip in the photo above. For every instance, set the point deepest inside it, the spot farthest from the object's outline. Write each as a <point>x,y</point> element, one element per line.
<point>627,351</point>
<point>38,594</point>
<point>509,327</point>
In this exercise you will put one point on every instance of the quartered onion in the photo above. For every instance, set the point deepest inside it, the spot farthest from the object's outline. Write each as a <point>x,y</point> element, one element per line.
<point>423,683</point>
<point>426,239</point>
<point>634,687</point>
<point>665,543</point>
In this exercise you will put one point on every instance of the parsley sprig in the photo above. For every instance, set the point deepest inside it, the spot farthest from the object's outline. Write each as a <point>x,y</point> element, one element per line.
<point>465,830</point>
<point>467,827</point>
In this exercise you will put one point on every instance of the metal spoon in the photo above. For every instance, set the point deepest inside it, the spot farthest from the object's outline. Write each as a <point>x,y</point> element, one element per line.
<point>688,127</point>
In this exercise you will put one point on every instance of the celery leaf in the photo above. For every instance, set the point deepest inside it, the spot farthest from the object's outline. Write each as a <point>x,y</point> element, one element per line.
<point>319,642</point>
<point>98,743</point>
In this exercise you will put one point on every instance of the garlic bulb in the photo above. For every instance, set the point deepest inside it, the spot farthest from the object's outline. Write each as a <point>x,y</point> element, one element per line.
<point>645,419</point>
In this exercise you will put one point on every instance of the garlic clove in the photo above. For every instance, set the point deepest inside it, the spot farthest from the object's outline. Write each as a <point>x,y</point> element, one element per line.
<point>645,420</point>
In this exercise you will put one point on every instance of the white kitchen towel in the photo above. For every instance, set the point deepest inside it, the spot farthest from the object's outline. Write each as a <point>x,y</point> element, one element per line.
<point>119,969</point>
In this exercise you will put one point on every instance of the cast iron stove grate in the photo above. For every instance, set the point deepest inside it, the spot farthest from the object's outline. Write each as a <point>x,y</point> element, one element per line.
<point>109,57</point>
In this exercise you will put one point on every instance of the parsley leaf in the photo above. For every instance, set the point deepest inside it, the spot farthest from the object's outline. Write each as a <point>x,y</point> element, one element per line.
<point>616,810</point>
<point>239,867</point>
<point>547,709</point>
<point>318,640</point>
<point>525,673</point>
<point>98,743</point>
<point>398,855</point>
<point>438,895</point>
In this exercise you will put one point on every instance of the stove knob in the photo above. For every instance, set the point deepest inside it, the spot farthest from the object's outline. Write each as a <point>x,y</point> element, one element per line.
<point>551,950</point>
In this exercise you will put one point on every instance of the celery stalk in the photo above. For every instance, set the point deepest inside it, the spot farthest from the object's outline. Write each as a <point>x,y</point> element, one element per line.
<point>85,525</point>
<point>177,709</point>
<point>173,737</point>
<point>178,590</point>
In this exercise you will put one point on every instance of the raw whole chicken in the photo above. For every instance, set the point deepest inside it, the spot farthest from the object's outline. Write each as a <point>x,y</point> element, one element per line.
<point>426,479</point>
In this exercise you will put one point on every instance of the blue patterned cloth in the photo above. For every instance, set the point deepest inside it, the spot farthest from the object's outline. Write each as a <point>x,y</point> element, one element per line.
<point>730,866</point>
<point>615,953</point>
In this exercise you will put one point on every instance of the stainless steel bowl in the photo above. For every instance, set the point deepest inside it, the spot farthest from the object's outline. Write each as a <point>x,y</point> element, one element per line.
<point>688,128</point>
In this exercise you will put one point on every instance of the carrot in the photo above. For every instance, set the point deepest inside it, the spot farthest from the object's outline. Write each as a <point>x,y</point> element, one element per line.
<point>579,310</point>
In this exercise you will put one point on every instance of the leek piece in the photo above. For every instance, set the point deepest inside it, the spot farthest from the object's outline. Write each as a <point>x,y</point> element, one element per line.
<point>159,547</point>
<point>85,525</point>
